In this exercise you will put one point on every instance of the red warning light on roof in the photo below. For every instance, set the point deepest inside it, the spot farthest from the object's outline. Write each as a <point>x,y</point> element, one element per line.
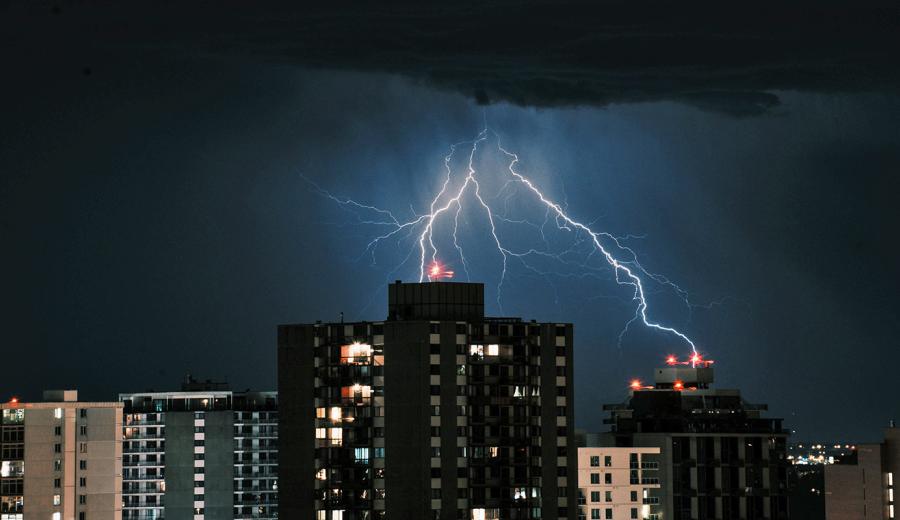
<point>14,400</point>
<point>671,360</point>
<point>635,384</point>
<point>436,271</point>
<point>679,385</point>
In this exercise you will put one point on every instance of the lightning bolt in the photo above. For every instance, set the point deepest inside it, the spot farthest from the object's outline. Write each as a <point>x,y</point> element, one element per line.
<point>457,192</point>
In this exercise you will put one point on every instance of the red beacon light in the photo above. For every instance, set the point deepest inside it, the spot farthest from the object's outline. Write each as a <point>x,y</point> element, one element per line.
<point>671,360</point>
<point>14,400</point>
<point>635,384</point>
<point>436,271</point>
<point>679,385</point>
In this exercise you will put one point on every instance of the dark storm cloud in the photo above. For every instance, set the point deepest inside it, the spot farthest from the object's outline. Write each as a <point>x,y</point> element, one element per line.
<point>154,222</point>
<point>716,56</point>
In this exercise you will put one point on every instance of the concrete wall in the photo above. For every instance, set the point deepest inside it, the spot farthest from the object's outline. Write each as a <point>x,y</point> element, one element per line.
<point>99,447</point>
<point>297,416</point>
<point>103,459</point>
<point>854,491</point>
<point>219,475</point>
<point>620,490</point>
<point>407,451</point>
<point>179,469</point>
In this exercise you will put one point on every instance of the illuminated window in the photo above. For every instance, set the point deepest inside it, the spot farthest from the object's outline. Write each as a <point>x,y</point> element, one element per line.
<point>493,350</point>
<point>356,392</point>
<point>57,413</point>
<point>493,451</point>
<point>335,414</point>
<point>321,474</point>
<point>320,433</point>
<point>356,354</point>
<point>477,352</point>
<point>14,416</point>
<point>890,479</point>
<point>361,455</point>
<point>12,468</point>
<point>320,413</point>
<point>336,435</point>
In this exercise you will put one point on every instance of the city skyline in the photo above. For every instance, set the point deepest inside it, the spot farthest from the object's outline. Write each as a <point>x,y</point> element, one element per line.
<point>159,219</point>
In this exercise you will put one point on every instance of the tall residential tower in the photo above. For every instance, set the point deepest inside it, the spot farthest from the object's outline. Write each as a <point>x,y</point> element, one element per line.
<point>204,453</point>
<point>61,459</point>
<point>437,412</point>
<point>720,458</point>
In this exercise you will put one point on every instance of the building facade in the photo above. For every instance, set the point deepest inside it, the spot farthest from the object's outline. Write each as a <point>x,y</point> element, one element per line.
<point>719,457</point>
<point>437,412</point>
<point>862,487</point>
<point>618,483</point>
<point>61,459</point>
<point>203,453</point>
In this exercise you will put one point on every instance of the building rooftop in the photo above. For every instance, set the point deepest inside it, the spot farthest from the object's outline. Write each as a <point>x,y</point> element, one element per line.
<point>682,400</point>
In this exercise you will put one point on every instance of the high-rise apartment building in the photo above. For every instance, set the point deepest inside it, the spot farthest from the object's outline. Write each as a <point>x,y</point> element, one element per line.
<point>437,412</point>
<point>60,459</point>
<point>203,453</point>
<point>618,483</point>
<point>861,487</point>
<point>719,457</point>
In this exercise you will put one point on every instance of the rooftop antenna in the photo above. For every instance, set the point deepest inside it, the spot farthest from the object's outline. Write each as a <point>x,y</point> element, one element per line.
<point>342,317</point>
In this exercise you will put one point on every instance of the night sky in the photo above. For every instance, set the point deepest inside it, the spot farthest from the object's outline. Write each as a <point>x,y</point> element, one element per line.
<point>155,219</point>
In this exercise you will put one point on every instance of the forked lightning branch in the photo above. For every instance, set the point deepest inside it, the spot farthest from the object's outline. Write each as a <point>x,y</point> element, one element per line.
<point>463,190</point>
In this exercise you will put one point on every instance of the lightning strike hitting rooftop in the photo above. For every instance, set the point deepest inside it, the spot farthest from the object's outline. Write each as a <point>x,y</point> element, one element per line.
<point>457,192</point>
